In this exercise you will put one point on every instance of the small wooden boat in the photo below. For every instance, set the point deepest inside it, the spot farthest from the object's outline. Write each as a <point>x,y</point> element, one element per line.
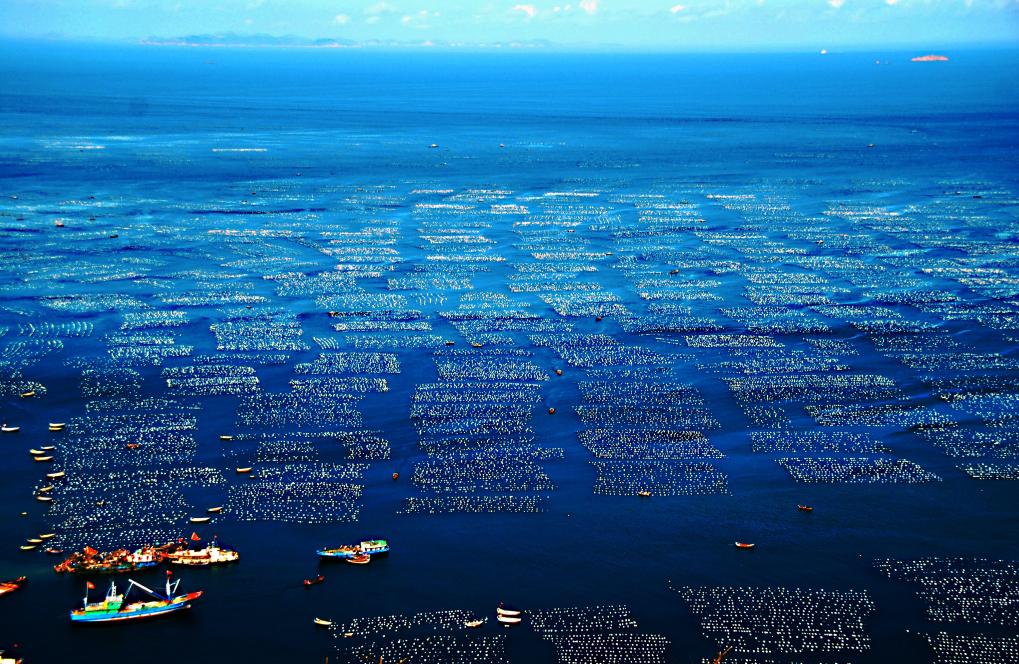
<point>42,459</point>
<point>475,623</point>
<point>559,372</point>
<point>200,519</point>
<point>322,622</point>
<point>644,494</point>
<point>28,394</point>
<point>47,536</point>
<point>12,585</point>
<point>53,552</point>
<point>215,510</point>
<point>34,540</point>
<point>46,489</point>
<point>805,508</point>
<point>226,437</point>
<point>35,452</point>
<point>551,411</point>
<point>396,476</point>
<point>433,146</point>
<point>58,223</point>
<point>509,620</point>
<point>56,476</point>
<point>133,446</point>
<point>314,582</point>
<point>44,499</point>
<point>348,635</point>
<point>9,429</point>
<point>508,611</point>
<point>57,426</point>
<point>244,471</point>
<point>475,344</point>
<point>28,547</point>
<point>359,559</point>
<point>745,545</point>
<point>48,448</point>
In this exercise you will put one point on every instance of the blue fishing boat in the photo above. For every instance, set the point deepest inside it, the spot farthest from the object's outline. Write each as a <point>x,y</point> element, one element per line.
<point>115,606</point>
<point>367,547</point>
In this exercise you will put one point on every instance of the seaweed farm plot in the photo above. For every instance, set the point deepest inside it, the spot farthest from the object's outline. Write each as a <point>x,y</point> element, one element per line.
<point>433,637</point>
<point>783,622</point>
<point>475,427</point>
<point>962,594</point>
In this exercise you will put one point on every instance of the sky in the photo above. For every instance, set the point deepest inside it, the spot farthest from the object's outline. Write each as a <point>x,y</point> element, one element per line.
<point>682,25</point>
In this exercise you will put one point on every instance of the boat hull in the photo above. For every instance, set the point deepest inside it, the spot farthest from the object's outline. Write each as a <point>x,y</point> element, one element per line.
<point>178,604</point>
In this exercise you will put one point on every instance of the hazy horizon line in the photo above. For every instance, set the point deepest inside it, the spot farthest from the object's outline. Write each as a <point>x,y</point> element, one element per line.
<point>265,41</point>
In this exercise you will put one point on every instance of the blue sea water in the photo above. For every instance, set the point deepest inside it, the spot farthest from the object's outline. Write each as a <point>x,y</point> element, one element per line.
<point>841,191</point>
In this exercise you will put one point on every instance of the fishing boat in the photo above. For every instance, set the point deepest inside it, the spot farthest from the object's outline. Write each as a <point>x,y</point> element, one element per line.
<point>91,561</point>
<point>200,519</point>
<point>28,394</point>
<point>369,547</point>
<point>42,459</point>
<point>115,607</point>
<point>34,540</point>
<point>359,559</point>
<point>226,437</point>
<point>12,585</point>
<point>45,489</point>
<point>56,426</point>
<point>48,448</point>
<point>9,429</point>
<point>745,545</point>
<point>47,536</point>
<point>805,508</point>
<point>215,510</point>
<point>211,554</point>
<point>475,623</point>
<point>56,476</point>
<point>28,547</point>
<point>509,620</point>
<point>322,622</point>
<point>314,582</point>
<point>53,552</point>
<point>35,452</point>
<point>133,446</point>
<point>644,494</point>
<point>44,499</point>
<point>244,471</point>
<point>508,611</point>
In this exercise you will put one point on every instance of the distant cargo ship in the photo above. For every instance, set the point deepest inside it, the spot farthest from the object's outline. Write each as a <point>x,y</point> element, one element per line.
<point>115,607</point>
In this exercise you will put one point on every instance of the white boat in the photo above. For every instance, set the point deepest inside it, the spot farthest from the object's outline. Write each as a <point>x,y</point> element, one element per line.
<point>322,622</point>
<point>200,519</point>
<point>9,429</point>
<point>212,554</point>
<point>509,620</point>
<point>475,623</point>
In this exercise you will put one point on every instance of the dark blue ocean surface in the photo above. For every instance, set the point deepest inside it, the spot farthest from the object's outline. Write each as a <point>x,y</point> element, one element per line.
<point>767,281</point>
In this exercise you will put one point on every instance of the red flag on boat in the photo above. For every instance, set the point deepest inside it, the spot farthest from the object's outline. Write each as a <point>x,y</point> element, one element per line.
<point>89,551</point>
<point>195,537</point>
<point>90,585</point>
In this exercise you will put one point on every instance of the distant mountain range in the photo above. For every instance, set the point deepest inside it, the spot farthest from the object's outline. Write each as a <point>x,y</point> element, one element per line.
<point>229,39</point>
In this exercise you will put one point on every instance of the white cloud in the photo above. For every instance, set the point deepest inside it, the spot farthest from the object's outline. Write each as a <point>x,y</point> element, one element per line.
<point>675,9</point>
<point>836,3</point>
<point>589,6</point>
<point>379,8</point>
<point>526,9</point>
<point>341,19</point>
